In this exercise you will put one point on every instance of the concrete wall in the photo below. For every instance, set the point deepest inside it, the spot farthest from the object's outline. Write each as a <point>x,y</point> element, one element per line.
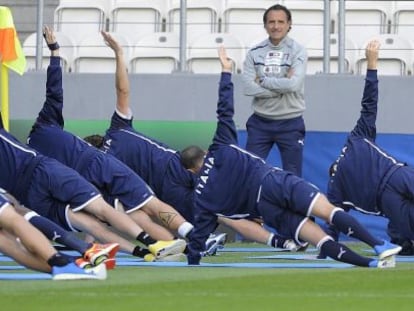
<point>333,101</point>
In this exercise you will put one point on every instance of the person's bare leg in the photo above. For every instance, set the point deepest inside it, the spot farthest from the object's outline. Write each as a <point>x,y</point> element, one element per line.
<point>117,219</point>
<point>249,229</point>
<point>153,229</point>
<point>10,247</point>
<point>165,213</point>
<point>100,231</point>
<point>312,233</point>
<point>32,239</point>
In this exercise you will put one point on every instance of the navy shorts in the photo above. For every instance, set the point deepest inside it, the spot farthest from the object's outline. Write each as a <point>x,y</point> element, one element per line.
<point>397,201</point>
<point>4,201</point>
<point>56,187</point>
<point>285,202</point>
<point>116,181</point>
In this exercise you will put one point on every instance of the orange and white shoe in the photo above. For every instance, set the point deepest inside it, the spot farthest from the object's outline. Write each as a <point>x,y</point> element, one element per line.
<point>98,253</point>
<point>110,263</point>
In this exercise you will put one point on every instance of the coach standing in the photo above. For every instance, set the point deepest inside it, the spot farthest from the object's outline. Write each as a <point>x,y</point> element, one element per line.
<point>274,74</point>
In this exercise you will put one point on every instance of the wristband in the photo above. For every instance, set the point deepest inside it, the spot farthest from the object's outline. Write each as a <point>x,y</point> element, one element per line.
<point>52,46</point>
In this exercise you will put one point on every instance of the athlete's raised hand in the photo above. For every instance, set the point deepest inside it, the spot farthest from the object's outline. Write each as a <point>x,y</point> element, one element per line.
<point>226,63</point>
<point>371,53</point>
<point>111,42</point>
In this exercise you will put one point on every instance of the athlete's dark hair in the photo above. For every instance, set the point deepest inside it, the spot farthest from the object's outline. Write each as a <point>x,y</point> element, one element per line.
<point>95,140</point>
<point>278,7</point>
<point>191,156</point>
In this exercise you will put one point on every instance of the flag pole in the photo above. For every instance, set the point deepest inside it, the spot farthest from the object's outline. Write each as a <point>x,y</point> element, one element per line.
<point>4,95</point>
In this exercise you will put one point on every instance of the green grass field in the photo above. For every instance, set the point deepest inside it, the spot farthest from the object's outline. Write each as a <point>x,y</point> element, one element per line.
<point>202,288</point>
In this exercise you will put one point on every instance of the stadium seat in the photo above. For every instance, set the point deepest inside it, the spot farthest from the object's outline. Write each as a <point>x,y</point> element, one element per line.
<point>136,18</point>
<point>244,19</point>
<point>202,17</point>
<point>365,19</point>
<point>316,55</point>
<point>80,18</point>
<point>395,56</point>
<point>307,19</point>
<point>203,53</point>
<point>67,50</point>
<point>93,55</point>
<point>155,53</point>
<point>403,19</point>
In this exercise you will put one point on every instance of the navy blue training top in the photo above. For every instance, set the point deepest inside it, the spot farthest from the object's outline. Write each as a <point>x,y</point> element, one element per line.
<point>363,168</point>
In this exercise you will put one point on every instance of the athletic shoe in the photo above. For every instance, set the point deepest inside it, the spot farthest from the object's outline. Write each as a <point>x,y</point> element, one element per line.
<point>161,249</point>
<point>98,253</point>
<point>72,272</point>
<point>387,262</point>
<point>110,263</point>
<point>387,249</point>
<point>170,258</point>
<point>82,263</point>
<point>213,243</point>
<point>291,246</point>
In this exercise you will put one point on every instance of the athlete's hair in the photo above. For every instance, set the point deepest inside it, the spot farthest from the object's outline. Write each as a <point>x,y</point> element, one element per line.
<point>95,140</point>
<point>191,156</point>
<point>278,7</point>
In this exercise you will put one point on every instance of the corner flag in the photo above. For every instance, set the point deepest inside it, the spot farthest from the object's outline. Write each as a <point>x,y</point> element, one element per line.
<point>11,56</point>
<point>10,49</point>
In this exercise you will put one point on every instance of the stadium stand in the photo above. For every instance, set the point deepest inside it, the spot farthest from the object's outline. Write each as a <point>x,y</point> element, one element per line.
<point>395,56</point>
<point>203,57</point>
<point>94,56</point>
<point>155,53</point>
<point>67,51</point>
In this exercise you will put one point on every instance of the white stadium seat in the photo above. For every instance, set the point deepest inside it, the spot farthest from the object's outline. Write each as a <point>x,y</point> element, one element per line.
<point>316,55</point>
<point>403,19</point>
<point>79,18</point>
<point>366,19</point>
<point>395,56</point>
<point>202,17</point>
<point>155,53</point>
<point>137,18</point>
<point>244,19</point>
<point>203,53</point>
<point>67,51</point>
<point>93,55</point>
<point>307,19</point>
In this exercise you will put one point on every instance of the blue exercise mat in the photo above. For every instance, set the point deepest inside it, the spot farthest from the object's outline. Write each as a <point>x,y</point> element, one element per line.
<point>257,249</point>
<point>12,267</point>
<point>237,265</point>
<point>25,276</point>
<point>313,257</point>
<point>291,256</point>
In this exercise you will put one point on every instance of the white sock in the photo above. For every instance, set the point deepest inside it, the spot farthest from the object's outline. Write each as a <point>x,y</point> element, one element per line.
<point>184,229</point>
<point>269,239</point>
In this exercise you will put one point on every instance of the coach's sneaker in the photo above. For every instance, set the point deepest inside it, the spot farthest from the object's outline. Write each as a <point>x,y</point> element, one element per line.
<point>98,253</point>
<point>387,262</point>
<point>72,272</point>
<point>170,258</point>
<point>161,249</point>
<point>213,243</point>
<point>387,249</point>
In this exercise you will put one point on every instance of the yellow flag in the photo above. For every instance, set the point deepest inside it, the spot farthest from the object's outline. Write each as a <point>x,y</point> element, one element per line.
<point>11,53</point>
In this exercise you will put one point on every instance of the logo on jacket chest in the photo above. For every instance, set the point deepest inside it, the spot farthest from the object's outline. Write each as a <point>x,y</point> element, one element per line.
<point>204,174</point>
